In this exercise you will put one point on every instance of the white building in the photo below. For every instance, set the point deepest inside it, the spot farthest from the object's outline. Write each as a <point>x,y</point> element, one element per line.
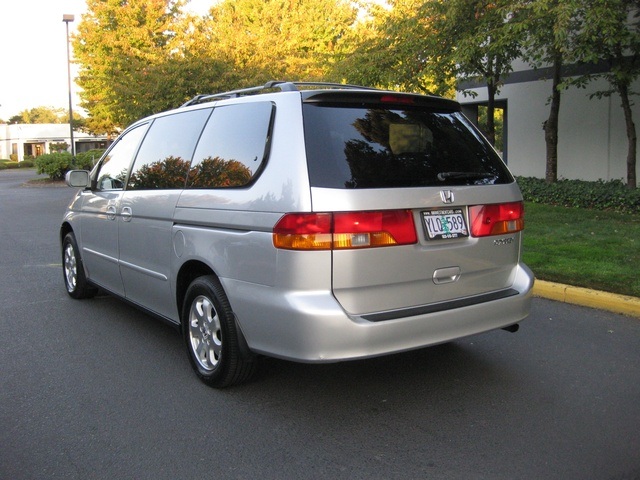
<point>35,139</point>
<point>592,140</point>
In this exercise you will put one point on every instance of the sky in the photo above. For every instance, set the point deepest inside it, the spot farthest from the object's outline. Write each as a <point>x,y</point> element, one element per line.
<point>33,62</point>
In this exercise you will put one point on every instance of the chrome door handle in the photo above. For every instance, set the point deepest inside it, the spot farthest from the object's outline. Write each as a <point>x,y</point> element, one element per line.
<point>111,212</point>
<point>126,214</point>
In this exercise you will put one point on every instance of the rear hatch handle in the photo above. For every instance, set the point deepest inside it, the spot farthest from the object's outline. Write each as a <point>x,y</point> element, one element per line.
<point>446,275</point>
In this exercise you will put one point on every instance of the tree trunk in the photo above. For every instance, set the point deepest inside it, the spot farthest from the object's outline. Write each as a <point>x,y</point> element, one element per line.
<point>623,90</point>
<point>491,108</point>
<point>551,125</point>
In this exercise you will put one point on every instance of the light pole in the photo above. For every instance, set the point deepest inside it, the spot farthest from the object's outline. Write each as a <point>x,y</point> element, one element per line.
<point>66,18</point>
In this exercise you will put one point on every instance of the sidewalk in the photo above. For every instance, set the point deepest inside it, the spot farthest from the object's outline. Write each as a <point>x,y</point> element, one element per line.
<point>588,298</point>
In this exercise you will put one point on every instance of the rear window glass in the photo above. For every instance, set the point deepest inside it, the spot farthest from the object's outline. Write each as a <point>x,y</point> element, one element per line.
<point>356,147</point>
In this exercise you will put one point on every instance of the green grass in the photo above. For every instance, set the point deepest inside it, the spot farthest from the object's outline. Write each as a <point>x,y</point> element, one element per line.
<point>585,248</point>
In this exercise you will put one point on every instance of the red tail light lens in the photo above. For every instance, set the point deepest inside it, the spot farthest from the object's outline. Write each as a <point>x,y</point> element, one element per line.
<point>496,219</point>
<point>325,231</point>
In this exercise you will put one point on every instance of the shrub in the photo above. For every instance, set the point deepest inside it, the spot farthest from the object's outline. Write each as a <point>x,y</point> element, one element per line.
<point>58,147</point>
<point>86,160</point>
<point>56,165</point>
<point>600,195</point>
<point>26,164</point>
<point>9,164</point>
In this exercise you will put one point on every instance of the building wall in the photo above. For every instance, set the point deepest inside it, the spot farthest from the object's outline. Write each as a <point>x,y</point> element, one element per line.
<point>592,141</point>
<point>17,136</point>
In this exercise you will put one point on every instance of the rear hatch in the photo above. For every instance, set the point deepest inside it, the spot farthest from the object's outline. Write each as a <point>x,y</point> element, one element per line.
<point>424,214</point>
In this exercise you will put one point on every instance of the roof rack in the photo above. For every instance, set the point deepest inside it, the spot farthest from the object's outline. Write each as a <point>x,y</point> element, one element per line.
<point>268,87</point>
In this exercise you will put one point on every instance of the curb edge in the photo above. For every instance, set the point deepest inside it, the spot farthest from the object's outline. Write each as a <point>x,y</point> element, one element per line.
<point>588,298</point>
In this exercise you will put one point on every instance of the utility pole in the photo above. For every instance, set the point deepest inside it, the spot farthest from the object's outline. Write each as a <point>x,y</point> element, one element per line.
<point>66,18</point>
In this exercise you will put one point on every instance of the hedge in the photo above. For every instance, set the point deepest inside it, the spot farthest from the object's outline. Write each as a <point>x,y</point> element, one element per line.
<point>612,195</point>
<point>56,165</point>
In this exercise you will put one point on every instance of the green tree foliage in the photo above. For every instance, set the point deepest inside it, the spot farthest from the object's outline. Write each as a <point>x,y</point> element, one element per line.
<point>611,34</point>
<point>139,57</point>
<point>277,39</point>
<point>388,48</point>
<point>548,29</point>
<point>45,115</point>
<point>428,45</point>
<point>120,46</point>
<point>470,41</point>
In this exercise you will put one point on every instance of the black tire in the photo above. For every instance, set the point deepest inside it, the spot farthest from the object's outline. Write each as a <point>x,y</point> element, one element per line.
<point>75,279</point>
<point>211,335</point>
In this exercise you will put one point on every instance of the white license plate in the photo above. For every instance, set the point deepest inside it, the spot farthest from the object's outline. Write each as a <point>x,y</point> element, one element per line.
<point>443,224</point>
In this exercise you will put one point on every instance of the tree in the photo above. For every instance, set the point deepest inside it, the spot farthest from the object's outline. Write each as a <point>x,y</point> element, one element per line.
<point>117,44</point>
<point>548,29</point>
<point>427,45</point>
<point>387,48</point>
<point>277,39</point>
<point>144,56</point>
<point>41,115</point>
<point>611,34</point>
<point>471,41</point>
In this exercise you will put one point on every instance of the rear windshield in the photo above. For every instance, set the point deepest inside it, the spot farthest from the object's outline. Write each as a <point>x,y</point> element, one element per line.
<point>361,147</point>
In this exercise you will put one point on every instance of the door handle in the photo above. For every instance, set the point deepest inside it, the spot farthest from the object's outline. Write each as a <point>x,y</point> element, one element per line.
<point>111,212</point>
<point>126,214</point>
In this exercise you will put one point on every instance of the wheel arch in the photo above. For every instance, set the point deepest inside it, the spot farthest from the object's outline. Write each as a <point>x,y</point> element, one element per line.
<point>188,272</point>
<point>65,228</point>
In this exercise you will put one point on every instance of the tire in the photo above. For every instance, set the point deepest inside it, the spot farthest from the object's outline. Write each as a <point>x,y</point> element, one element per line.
<point>211,336</point>
<point>75,279</point>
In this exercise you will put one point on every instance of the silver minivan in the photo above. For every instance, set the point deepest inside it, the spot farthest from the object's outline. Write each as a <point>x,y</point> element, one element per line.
<point>309,222</point>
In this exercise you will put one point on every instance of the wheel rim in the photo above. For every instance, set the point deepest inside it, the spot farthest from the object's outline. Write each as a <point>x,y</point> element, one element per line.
<point>70,267</point>
<point>205,336</point>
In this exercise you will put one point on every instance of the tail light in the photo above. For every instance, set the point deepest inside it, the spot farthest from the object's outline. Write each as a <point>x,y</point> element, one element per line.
<point>343,230</point>
<point>496,219</point>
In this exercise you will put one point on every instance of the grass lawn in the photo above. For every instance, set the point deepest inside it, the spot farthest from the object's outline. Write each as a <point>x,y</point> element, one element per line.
<point>585,248</point>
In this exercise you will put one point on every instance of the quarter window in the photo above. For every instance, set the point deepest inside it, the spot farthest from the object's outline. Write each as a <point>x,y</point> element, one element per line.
<point>234,146</point>
<point>165,155</point>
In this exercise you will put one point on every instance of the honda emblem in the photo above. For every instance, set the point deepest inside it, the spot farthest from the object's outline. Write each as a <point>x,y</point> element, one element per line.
<point>446,196</point>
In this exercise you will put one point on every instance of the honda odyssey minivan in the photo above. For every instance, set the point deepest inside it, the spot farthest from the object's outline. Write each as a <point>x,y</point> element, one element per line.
<point>309,222</point>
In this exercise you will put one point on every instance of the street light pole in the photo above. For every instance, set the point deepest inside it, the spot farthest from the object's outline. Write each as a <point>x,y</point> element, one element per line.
<point>66,18</point>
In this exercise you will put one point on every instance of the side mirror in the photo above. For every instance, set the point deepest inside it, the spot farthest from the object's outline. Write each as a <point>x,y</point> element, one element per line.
<point>77,178</point>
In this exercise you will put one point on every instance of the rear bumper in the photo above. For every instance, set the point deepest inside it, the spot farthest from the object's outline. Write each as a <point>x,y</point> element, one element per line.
<point>312,327</point>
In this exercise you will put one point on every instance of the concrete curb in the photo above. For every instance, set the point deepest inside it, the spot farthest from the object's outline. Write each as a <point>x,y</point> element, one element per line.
<point>588,298</point>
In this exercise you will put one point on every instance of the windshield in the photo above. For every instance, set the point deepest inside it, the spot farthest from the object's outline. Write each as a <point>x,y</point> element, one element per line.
<point>361,147</point>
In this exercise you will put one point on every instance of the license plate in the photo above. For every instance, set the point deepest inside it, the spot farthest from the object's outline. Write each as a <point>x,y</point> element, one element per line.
<point>444,224</point>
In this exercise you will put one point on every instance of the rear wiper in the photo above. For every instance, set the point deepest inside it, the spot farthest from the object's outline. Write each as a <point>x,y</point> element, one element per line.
<point>442,176</point>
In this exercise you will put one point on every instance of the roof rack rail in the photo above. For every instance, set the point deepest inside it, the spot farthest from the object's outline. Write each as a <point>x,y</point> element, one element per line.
<point>283,86</point>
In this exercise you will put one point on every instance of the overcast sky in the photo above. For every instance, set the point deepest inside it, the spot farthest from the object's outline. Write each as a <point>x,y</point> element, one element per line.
<point>33,70</point>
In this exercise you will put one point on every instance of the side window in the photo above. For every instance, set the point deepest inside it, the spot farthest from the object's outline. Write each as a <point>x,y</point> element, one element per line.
<point>165,155</point>
<point>113,169</point>
<point>233,147</point>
